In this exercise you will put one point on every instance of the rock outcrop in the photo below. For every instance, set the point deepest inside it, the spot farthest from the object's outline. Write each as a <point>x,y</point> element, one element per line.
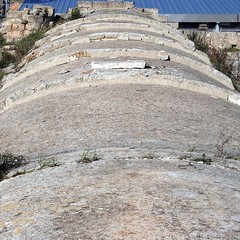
<point>129,85</point>
<point>19,24</point>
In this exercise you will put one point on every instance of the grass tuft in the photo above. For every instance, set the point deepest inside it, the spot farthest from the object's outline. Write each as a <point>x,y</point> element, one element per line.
<point>88,156</point>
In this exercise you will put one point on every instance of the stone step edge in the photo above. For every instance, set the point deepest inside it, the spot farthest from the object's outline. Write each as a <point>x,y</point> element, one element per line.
<point>69,26</point>
<point>100,78</point>
<point>58,42</point>
<point>119,52</point>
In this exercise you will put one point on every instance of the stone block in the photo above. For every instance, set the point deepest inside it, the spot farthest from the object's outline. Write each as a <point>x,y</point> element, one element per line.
<point>163,56</point>
<point>129,64</point>
<point>134,37</point>
<point>234,98</point>
<point>30,18</point>
<point>45,9</point>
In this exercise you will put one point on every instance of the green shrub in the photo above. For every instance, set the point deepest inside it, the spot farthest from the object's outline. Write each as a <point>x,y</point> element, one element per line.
<point>6,59</point>
<point>88,156</point>
<point>2,40</point>
<point>233,49</point>
<point>219,59</point>
<point>25,44</point>
<point>9,161</point>
<point>75,14</point>
<point>200,43</point>
<point>1,77</point>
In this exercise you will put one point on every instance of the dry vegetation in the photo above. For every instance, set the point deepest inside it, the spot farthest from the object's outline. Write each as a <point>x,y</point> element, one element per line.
<point>219,58</point>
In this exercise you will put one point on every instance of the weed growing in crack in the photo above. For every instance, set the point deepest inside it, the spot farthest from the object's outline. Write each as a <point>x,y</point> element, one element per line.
<point>46,162</point>
<point>75,14</point>
<point>88,156</point>
<point>191,148</point>
<point>202,159</point>
<point>150,155</point>
<point>223,140</point>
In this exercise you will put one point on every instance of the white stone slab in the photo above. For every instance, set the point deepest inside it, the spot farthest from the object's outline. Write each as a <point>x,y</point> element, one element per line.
<point>129,64</point>
<point>234,98</point>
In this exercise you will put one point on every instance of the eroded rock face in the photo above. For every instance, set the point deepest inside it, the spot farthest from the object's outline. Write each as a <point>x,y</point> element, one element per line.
<point>20,24</point>
<point>130,86</point>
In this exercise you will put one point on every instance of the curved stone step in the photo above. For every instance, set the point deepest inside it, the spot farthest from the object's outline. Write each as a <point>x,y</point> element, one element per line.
<point>151,25</point>
<point>73,55</point>
<point>111,77</point>
<point>205,69</point>
<point>110,36</point>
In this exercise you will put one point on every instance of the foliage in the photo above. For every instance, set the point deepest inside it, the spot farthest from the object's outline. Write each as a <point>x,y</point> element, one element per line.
<point>233,49</point>
<point>223,140</point>
<point>218,57</point>
<point>46,162</point>
<point>21,48</point>
<point>2,40</point>
<point>6,59</point>
<point>75,14</point>
<point>200,42</point>
<point>25,44</point>
<point>9,161</point>
<point>1,76</point>
<point>88,156</point>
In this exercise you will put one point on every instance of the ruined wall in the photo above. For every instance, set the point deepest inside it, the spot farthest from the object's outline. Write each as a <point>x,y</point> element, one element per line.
<point>91,6</point>
<point>20,24</point>
<point>86,7</point>
<point>223,40</point>
<point>219,39</point>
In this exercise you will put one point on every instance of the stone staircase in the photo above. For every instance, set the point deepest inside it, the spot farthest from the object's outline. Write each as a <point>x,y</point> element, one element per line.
<point>104,50</point>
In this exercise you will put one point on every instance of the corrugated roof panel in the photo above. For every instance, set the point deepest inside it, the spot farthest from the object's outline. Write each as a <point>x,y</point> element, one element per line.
<point>192,6</point>
<point>164,6</point>
<point>61,6</point>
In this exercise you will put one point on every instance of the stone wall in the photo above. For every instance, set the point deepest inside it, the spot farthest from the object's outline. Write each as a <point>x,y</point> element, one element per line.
<point>20,24</point>
<point>92,6</point>
<point>235,61</point>
<point>86,7</point>
<point>219,39</point>
<point>223,40</point>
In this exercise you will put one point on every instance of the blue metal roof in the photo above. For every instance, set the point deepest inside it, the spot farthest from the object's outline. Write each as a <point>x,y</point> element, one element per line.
<point>192,6</point>
<point>164,6</point>
<point>61,6</point>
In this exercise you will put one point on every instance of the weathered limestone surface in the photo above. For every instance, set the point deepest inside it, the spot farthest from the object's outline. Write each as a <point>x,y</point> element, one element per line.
<point>122,198</point>
<point>129,85</point>
<point>20,24</point>
<point>220,39</point>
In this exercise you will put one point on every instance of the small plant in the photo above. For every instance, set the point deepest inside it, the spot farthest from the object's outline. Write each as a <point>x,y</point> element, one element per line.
<point>203,159</point>
<point>219,57</point>
<point>46,162</point>
<point>2,74</point>
<point>150,155</point>
<point>6,59</point>
<point>8,162</point>
<point>2,40</point>
<point>75,14</point>
<point>191,148</point>
<point>233,49</point>
<point>200,42</point>
<point>25,44</point>
<point>88,156</point>
<point>223,140</point>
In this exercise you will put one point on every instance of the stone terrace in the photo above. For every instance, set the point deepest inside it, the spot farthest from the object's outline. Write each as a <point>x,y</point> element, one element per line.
<point>127,84</point>
<point>60,75</point>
